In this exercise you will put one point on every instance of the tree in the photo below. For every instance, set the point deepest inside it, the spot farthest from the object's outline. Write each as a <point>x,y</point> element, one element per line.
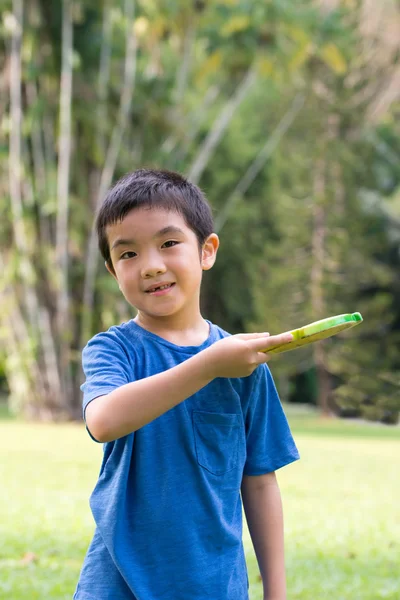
<point>90,92</point>
<point>224,92</point>
<point>326,238</point>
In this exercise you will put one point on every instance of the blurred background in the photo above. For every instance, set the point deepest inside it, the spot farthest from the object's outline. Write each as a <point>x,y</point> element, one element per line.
<point>286,113</point>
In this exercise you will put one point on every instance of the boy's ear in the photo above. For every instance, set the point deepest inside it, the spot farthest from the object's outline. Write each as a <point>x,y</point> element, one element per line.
<point>110,270</point>
<point>209,251</point>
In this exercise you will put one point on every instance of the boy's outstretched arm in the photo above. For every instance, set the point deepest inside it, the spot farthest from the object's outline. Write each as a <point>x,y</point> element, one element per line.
<point>263,508</point>
<point>135,404</point>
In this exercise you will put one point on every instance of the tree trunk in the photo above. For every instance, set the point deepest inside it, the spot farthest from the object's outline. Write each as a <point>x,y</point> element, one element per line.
<point>317,274</point>
<point>109,169</point>
<point>260,161</point>
<point>64,145</point>
<point>219,126</point>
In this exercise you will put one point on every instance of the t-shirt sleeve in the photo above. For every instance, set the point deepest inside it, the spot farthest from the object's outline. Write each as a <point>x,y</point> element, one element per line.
<point>106,367</point>
<point>269,441</point>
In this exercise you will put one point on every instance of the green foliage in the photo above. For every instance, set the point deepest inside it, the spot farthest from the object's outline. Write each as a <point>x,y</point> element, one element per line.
<point>191,60</point>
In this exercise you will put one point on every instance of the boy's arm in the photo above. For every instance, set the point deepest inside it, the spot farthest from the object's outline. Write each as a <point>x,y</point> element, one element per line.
<point>263,507</point>
<point>133,405</point>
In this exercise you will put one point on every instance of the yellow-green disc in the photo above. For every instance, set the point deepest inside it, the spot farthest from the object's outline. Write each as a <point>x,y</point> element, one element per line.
<point>318,330</point>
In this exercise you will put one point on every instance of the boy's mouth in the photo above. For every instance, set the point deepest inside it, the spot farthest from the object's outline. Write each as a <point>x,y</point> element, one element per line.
<point>159,288</point>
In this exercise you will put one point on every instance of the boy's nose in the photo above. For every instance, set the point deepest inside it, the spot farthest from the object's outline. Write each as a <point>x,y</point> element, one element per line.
<point>152,269</point>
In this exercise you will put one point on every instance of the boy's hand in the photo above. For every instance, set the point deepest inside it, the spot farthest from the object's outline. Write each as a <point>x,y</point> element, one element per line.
<point>238,355</point>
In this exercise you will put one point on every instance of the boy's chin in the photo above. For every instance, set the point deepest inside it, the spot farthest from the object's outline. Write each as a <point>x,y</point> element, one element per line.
<point>156,314</point>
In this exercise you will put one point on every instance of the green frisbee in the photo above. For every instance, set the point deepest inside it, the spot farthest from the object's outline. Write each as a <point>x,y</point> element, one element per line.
<point>319,330</point>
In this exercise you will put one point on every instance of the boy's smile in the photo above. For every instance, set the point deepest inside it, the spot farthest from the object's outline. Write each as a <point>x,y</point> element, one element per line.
<point>160,289</point>
<point>158,265</point>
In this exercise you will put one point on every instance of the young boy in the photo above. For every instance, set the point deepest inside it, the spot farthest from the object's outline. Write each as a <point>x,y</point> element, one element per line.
<point>189,416</point>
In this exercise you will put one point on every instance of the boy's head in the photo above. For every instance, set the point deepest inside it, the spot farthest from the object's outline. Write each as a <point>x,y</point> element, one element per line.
<point>148,188</point>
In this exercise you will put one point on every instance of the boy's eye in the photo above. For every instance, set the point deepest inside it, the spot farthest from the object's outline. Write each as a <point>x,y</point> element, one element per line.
<point>128,254</point>
<point>169,244</point>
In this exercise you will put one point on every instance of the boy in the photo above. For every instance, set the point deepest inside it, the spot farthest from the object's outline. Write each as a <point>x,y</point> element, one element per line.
<point>188,414</point>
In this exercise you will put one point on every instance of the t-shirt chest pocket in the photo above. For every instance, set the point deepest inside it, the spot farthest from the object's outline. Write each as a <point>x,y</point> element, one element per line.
<point>216,437</point>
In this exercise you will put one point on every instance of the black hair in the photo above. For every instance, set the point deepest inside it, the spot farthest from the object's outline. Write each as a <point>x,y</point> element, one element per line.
<point>153,188</point>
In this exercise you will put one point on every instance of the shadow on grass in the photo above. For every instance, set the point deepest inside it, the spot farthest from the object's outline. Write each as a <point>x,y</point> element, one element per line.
<point>304,419</point>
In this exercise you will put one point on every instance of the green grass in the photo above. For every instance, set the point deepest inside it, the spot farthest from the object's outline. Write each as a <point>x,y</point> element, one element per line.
<point>341,501</point>
<point>4,412</point>
<point>306,421</point>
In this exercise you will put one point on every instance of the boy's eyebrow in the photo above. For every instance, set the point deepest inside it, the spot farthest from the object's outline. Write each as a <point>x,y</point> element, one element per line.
<point>163,231</point>
<point>169,229</point>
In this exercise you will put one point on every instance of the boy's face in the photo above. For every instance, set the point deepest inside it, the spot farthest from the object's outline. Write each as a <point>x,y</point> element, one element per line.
<point>154,248</point>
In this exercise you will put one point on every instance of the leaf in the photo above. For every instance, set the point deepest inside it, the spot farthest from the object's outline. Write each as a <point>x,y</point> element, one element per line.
<point>334,58</point>
<point>296,33</point>
<point>265,66</point>
<point>300,57</point>
<point>235,24</point>
<point>210,66</point>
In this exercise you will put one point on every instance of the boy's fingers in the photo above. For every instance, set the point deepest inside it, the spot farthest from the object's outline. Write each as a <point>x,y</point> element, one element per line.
<point>252,336</point>
<point>262,345</point>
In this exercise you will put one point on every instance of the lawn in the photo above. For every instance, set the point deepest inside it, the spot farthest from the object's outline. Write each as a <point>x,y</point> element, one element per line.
<point>341,501</point>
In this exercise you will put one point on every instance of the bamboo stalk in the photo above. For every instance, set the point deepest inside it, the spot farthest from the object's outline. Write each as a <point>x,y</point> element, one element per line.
<point>18,339</point>
<point>125,104</point>
<point>181,82</point>
<point>64,152</point>
<point>389,93</point>
<point>51,164</point>
<point>4,79</point>
<point>104,74</point>
<point>194,124</point>
<point>109,166</point>
<point>219,126</point>
<point>16,121</point>
<point>15,166</point>
<point>25,328</point>
<point>50,356</point>
<point>318,239</point>
<point>183,72</point>
<point>46,356</point>
<point>316,283</point>
<point>259,162</point>
<point>39,163</point>
<point>63,175</point>
<point>34,374</point>
<point>39,168</point>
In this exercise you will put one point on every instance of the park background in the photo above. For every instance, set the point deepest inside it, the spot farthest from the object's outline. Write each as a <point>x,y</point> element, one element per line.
<point>286,113</point>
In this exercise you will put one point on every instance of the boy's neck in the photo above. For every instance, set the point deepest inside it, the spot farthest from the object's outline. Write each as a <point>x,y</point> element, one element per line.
<point>177,331</point>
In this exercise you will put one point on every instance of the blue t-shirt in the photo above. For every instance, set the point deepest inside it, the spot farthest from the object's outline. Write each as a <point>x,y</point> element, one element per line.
<point>167,503</point>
